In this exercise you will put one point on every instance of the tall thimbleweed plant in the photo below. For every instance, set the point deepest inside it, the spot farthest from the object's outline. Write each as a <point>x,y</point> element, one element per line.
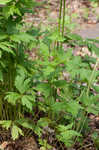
<point>62,16</point>
<point>61,19</point>
<point>16,97</point>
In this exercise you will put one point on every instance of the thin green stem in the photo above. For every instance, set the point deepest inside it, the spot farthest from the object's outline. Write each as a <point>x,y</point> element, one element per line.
<point>60,15</point>
<point>59,22</point>
<point>64,7</point>
<point>87,93</point>
<point>92,76</point>
<point>81,125</point>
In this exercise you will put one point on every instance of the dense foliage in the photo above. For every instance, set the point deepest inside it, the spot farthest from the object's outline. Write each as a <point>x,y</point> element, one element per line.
<point>55,92</point>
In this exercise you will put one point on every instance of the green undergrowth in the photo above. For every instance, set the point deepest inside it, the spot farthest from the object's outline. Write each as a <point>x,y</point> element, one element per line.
<point>52,94</point>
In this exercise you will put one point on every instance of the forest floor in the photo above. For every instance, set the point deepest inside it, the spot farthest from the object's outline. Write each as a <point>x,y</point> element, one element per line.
<point>86,23</point>
<point>84,15</point>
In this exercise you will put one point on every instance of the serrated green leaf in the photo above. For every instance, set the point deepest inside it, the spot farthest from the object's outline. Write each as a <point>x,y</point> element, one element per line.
<point>62,128</point>
<point>15,132</point>
<point>45,88</point>
<point>6,124</point>
<point>11,10</point>
<point>92,47</point>
<point>8,44</point>
<point>12,97</point>
<point>5,48</point>
<point>48,70</point>
<point>26,101</point>
<point>21,83</point>
<point>60,83</point>
<point>43,122</point>
<point>92,109</point>
<point>22,37</point>
<point>26,123</point>
<point>66,134</point>
<point>85,74</point>
<point>73,107</point>
<point>38,131</point>
<point>59,106</point>
<point>89,100</point>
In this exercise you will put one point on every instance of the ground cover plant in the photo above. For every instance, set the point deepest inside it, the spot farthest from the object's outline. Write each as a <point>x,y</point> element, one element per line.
<point>53,94</point>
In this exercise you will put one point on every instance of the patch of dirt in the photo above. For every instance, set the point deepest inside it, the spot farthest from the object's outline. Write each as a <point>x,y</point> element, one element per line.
<point>48,13</point>
<point>21,144</point>
<point>90,32</point>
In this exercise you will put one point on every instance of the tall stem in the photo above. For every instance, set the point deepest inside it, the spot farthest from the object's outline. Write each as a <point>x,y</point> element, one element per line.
<point>60,15</point>
<point>64,7</point>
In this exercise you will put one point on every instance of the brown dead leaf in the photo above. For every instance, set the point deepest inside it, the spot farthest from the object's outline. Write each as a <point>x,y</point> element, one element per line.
<point>4,145</point>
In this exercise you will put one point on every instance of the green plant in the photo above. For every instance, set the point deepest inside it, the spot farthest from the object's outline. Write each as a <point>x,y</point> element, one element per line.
<point>52,93</point>
<point>15,67</point>
<point>95,138</point>
<point>44,145</point>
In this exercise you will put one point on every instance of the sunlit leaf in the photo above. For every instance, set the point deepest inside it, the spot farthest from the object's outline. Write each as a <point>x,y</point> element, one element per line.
<point>15,132</point>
